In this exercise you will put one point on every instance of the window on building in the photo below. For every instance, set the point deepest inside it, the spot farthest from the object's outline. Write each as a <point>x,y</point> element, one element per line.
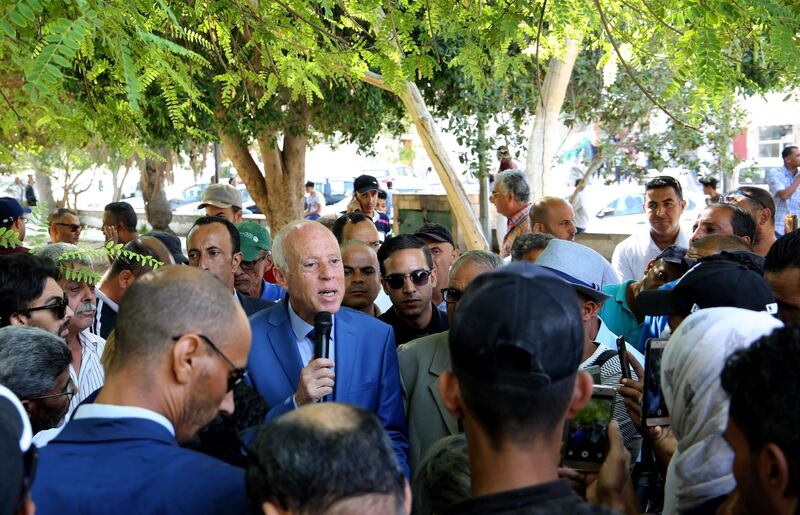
<point>772,139</point>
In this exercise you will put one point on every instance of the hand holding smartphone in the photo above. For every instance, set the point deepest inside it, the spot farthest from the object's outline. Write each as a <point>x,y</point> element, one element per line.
<point>654,409</point>
<point>622,350</point>
<point>586,434</point>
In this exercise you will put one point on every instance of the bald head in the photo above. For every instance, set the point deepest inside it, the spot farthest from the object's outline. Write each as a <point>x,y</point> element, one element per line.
<point>361,473</point>
<point>158,248</point>
<point>161,305</point>
<point>553,215</point>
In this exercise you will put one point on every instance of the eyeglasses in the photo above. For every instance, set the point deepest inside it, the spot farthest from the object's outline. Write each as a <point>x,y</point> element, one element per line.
<point>451,295</point>
<point>238,373</point>
<point>249,266</point>
<point>418,277</point>
<point>69,391</point>
<point>731,197</point>
<point>60,306</point>
<point>73,228</point>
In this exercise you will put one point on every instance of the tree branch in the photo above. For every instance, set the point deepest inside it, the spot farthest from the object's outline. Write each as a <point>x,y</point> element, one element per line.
<point>630,73</point>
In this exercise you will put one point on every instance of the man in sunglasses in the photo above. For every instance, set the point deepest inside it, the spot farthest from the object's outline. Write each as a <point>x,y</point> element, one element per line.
<point>725,219</point>
<point>173,370</point>
<point>64,226</point>
<point>761,206</point>
<point>34,364</point>
<point>256,248</point>
<point>361,365</point>
<point>409,278</point>
<point>423,360</point>
<point>30,294</point>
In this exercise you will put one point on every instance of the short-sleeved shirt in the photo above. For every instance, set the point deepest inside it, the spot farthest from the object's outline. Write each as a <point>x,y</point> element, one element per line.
<point>780,179</point>
<point>617,314</point>
<point>632,254</point>
<point>383,224</point>
<point>518,225</point>
<point>547,498</point>
<point>404,333</point>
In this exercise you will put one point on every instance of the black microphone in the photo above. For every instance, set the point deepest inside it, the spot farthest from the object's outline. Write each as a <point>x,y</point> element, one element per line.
<point>323,322</point>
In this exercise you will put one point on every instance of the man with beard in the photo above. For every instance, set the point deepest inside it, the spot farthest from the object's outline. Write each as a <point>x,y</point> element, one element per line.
<point>77,281</point>
<point>30,294</point>
<point>361,365</point>
<point>172,371</point>
<point>34,364</point>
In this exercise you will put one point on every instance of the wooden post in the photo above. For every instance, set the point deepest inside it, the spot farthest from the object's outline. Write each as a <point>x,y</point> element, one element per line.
<point>456,194</point>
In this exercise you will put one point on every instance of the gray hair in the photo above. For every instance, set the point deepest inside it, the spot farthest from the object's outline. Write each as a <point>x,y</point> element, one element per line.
<point>529,241</point>
<point>480,258</point>
<point>515,182</point>
<point>31,359</point>
<point>443,476</point>
<point>56,251</point>
<point>279,256</point>
<point>59,214</point>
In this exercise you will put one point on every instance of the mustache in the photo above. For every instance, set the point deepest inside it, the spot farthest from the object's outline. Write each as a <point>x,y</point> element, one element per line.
<point>86,307</point>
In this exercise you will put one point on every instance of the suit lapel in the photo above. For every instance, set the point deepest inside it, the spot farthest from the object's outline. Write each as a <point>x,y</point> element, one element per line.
<point>345,361</point>
<point>440,363</point>
<point>283,342</point>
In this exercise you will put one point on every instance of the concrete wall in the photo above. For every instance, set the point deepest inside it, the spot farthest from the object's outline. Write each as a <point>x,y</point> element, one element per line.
<point>604,244</point>
<point>180,223</point>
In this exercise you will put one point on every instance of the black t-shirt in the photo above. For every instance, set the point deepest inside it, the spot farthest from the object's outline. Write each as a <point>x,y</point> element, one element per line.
<point>404,333</point>
<point>548,498</point>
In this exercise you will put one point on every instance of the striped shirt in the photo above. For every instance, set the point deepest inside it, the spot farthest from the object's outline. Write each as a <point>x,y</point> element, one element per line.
<point>610,374</point>
<point>518,225</point>
<point>779,179</point>
<point>106,315</point>
<point>91,376</point>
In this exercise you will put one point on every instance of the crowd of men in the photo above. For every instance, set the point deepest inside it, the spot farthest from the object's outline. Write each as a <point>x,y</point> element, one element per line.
<point>191,382</point>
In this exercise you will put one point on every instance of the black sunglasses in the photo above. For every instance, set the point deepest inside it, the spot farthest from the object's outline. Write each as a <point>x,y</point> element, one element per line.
<point>73,228</point>
<point>418,277</point>
<point>238,373</point>
<point>251,265</point>
<point>60,305</point>
<point>730,197</point>
<point>451,295</point>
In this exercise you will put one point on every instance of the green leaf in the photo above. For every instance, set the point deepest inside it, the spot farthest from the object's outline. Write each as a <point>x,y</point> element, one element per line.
<point>8,29</point>
<point>18,19</point>
<point>59,60</point>
<point>35,5</point>
<point>25,11</point>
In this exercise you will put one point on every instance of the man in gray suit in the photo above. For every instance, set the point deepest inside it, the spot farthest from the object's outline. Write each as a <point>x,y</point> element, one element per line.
<point>423,359</point>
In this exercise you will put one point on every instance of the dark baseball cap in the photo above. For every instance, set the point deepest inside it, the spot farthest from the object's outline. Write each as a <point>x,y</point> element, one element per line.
<point>364,183</point>
<point>435,232</point>
<point>173,244</point>
<point>519,325</point>
<point>710,284</point>
<point>10,210</point>
<point>673,254</point>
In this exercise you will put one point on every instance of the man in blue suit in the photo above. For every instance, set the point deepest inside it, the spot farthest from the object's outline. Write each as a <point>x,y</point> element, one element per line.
<point>362,366</point>
<point>179,352</point>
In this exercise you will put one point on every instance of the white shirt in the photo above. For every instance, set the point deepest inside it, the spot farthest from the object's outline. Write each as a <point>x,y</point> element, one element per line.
<point>113,411</point>
<point>91,375</point>
<point>634,252</point>
<point>305,345</point>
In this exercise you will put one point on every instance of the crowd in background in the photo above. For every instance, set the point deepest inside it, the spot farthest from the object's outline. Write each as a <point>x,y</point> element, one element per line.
<point>543,379</point>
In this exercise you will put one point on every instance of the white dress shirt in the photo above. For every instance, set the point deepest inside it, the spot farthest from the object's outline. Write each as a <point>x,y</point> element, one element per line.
<point>634,252</point>
<point>92,375</point>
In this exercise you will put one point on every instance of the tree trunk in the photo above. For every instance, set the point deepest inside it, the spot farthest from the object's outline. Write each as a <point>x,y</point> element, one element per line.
<point>544,135</point>
<point>483,177</point>
<point>44,187</point>
<point>236,149</point>
<point>156,206</point>
<point>117,185</point>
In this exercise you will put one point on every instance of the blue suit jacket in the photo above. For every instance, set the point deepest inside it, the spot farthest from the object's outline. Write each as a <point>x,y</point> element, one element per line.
<point>367,374</point>
<point>131,466</point>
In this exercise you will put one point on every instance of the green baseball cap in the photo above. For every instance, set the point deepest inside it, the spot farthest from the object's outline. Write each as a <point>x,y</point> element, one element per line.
<point>254,237</point>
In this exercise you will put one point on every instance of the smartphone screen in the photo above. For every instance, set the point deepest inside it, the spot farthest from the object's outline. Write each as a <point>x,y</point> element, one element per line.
<point>622,350</point>
<point>586,439</point>
<point>654,410</point>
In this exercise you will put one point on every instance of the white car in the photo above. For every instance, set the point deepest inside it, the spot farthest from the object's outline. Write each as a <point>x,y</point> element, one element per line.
<point>625,214</point>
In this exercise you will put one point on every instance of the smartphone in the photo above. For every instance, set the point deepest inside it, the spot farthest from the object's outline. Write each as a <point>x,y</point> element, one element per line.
<point>654,409</point>
<point>586,434</point>
<point>622,349</point>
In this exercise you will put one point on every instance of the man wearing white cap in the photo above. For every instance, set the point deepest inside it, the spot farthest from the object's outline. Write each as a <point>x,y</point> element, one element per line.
<point>223,200</point>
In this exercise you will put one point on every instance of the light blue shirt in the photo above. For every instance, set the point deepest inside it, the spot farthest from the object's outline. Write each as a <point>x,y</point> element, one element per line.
<point>271,291</point>
<point>780,179</point>
<point>114,411</point>
<point>305,345</point>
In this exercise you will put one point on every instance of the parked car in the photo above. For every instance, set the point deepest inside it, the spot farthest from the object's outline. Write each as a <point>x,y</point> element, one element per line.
<point>625,214</point>
<point>188,195</point>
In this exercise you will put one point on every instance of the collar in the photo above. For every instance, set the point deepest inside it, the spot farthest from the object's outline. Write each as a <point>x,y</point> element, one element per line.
<point>646,239</point>
<point>102,296</point>
<point>87,338</point>
<point>622,293</point>
<point>115,411</point>
<point>300,327</point>
<point>605,337</point>
<point>522,213</point>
